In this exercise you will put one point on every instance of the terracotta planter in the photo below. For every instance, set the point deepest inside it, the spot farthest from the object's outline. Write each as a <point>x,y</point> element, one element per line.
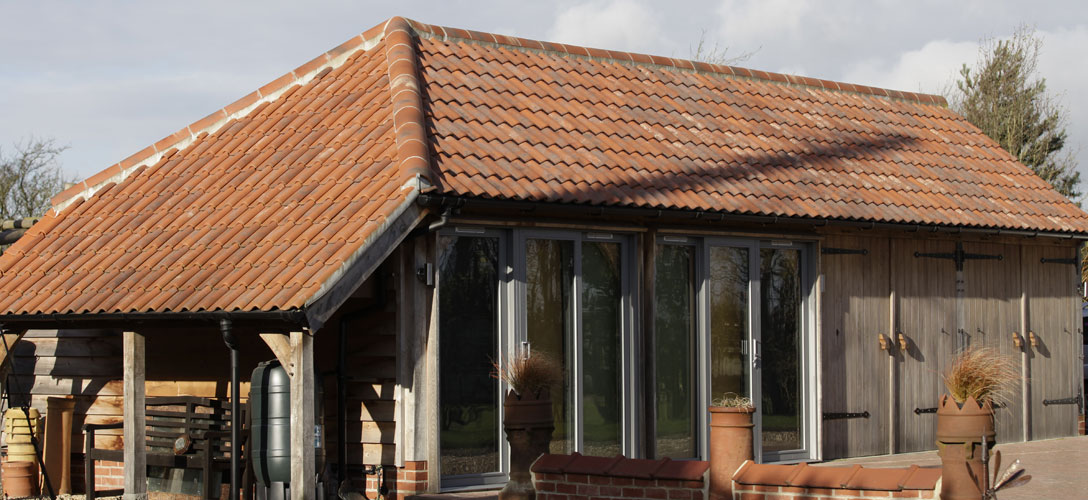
<point>730,445</point>
<point>20,479</point>
<point>960,431</point>
<point>528,423</point>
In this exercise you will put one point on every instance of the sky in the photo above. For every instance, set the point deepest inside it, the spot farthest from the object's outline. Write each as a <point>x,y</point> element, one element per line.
<point>107,78</point>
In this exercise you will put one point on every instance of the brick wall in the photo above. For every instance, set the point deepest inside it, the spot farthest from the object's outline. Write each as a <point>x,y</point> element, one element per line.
<point>107,475</point>
<point>803,482</point>
<point>568,477</point>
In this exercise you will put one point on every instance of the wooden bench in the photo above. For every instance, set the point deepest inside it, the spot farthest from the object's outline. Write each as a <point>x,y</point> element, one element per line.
<point>203,422</point>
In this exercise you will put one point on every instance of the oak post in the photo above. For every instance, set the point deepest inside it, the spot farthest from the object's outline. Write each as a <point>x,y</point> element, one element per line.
<point>303,473</point>
<point>135,454</point>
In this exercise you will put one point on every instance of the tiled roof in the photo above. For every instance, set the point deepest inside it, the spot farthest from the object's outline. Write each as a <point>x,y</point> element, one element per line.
<point>269,202</point>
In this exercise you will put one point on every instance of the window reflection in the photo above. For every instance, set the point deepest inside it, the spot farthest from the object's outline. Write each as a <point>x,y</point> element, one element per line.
<point>674,360</point>
<point>780,294</point>
<point>468,341</point>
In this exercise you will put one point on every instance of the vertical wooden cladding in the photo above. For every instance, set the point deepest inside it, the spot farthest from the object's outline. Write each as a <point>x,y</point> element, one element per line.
<point>925,291</point>
<point>992,314</point>
<point>1054,318</point>
<point>855,370</point>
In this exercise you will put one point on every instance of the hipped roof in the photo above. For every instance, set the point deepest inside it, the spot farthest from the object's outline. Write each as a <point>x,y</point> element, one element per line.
<point>274,201</point>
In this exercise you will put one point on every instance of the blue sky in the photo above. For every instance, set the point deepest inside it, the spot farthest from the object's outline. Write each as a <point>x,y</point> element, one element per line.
<point>108,78</point>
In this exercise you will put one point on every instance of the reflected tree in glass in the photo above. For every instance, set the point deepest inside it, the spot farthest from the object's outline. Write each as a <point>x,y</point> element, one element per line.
<point>729,278</point>
<point>674,359</point>
<point>468,341</point>
<point>780,404</point>
<point>549,271</point>
<point>602,401</point>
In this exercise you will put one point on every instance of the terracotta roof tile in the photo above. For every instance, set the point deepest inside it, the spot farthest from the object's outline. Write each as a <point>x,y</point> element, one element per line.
<point>854,478</point>
<point>318,160</point>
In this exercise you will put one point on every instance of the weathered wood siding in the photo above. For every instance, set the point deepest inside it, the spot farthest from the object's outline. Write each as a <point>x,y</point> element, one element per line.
<point>992,314</point>
<point>1054,318</point>
<point>925,310</point>
<point>855,370</point>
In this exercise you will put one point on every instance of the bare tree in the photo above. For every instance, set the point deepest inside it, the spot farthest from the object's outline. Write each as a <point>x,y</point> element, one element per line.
<point>716,54</point>
<point>29,177</point>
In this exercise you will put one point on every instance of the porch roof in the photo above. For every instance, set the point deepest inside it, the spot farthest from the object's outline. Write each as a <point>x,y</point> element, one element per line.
<point>285,198</point>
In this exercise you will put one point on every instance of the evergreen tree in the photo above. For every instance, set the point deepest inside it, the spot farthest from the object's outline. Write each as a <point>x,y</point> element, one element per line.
<point>1005,98</point>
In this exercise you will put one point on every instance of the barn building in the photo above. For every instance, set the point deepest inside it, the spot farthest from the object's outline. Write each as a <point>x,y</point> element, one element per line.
<point>392,216</point>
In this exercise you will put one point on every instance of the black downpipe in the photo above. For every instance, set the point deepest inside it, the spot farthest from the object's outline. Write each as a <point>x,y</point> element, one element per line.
<point>235,406</point>
<point>341,378</point>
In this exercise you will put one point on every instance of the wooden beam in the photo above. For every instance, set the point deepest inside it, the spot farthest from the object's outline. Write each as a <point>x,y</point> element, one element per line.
<point>303,480</point>
<point>135,455</point>
<point>281,347</point>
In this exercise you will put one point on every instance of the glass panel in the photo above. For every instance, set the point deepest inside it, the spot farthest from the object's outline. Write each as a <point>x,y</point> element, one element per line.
<point>468,326</point>
<point>674,324</point>
<point>729,276</point>
<point>602,401</point>
<point>780,290</point>
<point>549,272</point>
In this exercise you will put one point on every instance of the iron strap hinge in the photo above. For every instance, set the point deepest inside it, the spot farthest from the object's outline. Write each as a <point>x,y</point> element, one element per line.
<point>843,251</point>
<point>840,416</point>
<point>1064,401</point>
<point>1045,260</point>
<point>959,256</point>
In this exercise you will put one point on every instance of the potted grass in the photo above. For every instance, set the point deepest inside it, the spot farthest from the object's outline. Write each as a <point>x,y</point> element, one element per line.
<point>527,416</point>
<point>730,441</point>
<point>977,379</point>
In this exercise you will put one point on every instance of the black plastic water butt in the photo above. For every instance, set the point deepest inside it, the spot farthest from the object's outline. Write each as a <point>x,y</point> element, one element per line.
<point>270,393</point>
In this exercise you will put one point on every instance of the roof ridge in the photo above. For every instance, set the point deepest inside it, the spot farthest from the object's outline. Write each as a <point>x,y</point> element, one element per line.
<point>684,64</point>
<point>409,131</point>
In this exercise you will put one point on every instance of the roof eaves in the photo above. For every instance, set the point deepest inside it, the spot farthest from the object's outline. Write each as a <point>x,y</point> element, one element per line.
<point>364,260</point>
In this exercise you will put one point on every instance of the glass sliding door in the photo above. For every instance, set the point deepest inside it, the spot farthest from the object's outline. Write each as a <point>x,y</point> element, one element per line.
<point>675,322</point>
<point>470,432</point>
<point>575,310</point>
<point>781,321</point>
<point>602,362</point>
<point>549,321</point>
<point>755,339</point>
<point>730,278</point>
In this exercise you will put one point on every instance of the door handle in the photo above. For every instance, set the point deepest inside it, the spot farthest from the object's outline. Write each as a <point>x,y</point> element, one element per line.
<point>757,353</point>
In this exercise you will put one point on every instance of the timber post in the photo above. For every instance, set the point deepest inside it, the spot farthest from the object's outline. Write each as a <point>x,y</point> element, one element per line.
<point>135,431</point>
<point>303,473</point>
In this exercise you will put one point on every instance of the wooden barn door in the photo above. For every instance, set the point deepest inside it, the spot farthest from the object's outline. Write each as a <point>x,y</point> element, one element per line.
<point>992,315</point>
<point>1051,284</point>
<point>925,310</point>
<point>855,369</point>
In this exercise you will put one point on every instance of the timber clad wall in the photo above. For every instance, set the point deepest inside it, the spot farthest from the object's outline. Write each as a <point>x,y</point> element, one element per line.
<point>890,291</point>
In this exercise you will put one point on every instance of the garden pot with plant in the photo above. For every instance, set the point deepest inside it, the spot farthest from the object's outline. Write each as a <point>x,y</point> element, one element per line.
<point>730,442</point>
<point>976,380</point>
<point>527,417</point>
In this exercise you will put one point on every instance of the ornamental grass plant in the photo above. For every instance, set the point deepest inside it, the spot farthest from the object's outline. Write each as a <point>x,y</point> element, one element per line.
<point>733,400</point>
<point>529,374</point>
<point>982,373</point>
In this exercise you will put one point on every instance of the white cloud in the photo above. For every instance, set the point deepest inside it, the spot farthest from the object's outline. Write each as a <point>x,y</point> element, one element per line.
<point>611,24</point>
<point>927,69</point>
<point>745,21</point>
